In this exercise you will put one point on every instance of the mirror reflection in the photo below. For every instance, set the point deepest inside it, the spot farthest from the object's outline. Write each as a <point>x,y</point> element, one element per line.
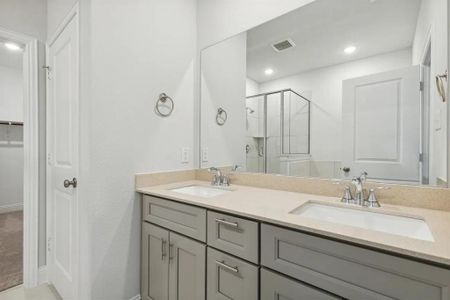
<point>330,90</point>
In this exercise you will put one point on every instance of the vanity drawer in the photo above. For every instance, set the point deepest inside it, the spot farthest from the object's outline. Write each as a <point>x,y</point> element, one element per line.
<point>230,277</point>
<point>275,286</point>
<point>233,235</point>
<point>185,219</point>
<point>350,271</point>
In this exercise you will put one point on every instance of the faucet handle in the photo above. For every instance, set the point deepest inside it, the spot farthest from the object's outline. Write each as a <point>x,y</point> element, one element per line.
<point>226,180</point>
<point>348,197</point>
<point>235,168</point>
<point>372,200</point>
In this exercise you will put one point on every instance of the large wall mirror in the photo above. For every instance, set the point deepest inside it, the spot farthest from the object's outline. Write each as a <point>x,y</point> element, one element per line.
<point>330,90</point>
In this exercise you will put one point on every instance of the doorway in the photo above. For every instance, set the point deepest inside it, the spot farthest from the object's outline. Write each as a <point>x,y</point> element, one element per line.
<point>19,159</point>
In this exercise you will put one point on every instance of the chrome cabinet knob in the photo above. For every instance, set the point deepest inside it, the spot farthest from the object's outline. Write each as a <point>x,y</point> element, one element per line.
<point>68,183</point>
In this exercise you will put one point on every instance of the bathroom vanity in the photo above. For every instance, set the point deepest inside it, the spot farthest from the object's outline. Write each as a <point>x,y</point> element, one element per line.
<point>248,243</point>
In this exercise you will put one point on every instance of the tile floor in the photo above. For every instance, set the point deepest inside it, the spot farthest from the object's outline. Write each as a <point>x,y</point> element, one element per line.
<point>42,292</point>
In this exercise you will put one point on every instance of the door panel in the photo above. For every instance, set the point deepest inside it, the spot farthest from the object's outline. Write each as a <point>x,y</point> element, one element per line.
<point>155,263</point>
<point>381,125</point>
<point>62,131</point>
<point>187,269</point>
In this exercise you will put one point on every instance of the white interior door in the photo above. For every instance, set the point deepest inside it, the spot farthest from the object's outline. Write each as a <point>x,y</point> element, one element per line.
<point>62,131</point>
<point>381,125</point>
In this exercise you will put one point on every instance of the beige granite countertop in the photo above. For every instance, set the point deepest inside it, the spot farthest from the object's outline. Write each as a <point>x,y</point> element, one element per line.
<point>273,206</point>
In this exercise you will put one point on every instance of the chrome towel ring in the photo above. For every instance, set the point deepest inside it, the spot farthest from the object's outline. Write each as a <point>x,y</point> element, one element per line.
<point>221,116</point>
<point>164,106</point>
<point>440,85</point>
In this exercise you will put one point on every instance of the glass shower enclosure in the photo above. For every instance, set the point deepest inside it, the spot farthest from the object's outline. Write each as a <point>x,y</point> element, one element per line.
<point>278,127</point>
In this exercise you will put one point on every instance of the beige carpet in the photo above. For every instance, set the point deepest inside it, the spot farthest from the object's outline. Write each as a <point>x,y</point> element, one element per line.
<point>11,239</point>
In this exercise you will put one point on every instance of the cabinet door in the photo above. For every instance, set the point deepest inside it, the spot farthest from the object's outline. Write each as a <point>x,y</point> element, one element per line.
<point>230,278</point>
<point>187,260</point>
<point>274,286</point>
<point>155,263</point>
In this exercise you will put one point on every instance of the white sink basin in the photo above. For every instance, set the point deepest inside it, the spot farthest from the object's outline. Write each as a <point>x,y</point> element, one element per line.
<point>201,191</point>
<point>400,225</point>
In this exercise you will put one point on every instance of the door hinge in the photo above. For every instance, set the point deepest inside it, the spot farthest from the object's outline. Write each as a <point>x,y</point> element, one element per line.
<point>48,69</point>
<point>49,244</point>
<point>421,86</point>
<point>421,157</point>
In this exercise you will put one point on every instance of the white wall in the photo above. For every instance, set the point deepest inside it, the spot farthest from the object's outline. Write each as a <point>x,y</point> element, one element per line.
<point>131,52</point>
<point>223,84</point>
<point>25,16</point>
<point>219,19</point>
<point>56,11</point>
<point>251,87</point>
<point>11,94</point>
<point>325,86</point>
<point>11,139</point>
<point>433,20</point>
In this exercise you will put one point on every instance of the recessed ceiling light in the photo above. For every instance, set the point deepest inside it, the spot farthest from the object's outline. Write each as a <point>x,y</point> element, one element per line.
<point>350,49</point>
<point>268,71</point>
<point>12,46</point>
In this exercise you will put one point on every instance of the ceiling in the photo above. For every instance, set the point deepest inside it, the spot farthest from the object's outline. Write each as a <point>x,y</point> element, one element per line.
<point>324,28</point>
<point>10,59</point>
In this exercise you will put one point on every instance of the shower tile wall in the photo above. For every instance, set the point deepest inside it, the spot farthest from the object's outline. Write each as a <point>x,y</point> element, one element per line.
<point>255,134</point>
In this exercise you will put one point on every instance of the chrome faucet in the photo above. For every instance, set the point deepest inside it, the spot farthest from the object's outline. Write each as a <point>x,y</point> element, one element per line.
<point>359,198</point>
<point>358,182</point>
<point>219,179</point>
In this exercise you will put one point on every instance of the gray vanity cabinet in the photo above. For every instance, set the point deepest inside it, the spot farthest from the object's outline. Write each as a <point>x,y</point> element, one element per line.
<point>154,263</point>
<point>187,259</point>
<point>275,286</point>
<point>173,266</point>
<point>230,277</point>
<point>248,260</point>
<point>349,271</point>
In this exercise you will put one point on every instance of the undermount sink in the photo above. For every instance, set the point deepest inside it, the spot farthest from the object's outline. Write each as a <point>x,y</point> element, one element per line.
<point>201,191</point>
<point>411,227</point>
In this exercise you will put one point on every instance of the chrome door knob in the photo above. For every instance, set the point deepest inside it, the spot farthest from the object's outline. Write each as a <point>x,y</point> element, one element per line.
<point>68,183</point>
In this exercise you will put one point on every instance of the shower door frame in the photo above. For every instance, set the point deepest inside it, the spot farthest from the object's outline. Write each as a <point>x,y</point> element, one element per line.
<point>281,121</point>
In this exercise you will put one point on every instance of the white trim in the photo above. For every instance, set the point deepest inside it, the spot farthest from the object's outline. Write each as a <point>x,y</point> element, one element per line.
<point>31,155</point>
<point>137,297</point>
<point>11,208</point>
<point>73,12</point>
<point>42,276</point>
<point>426,45</point>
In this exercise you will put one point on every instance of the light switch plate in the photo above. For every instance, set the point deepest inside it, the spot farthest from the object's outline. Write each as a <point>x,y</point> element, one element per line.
<point>185,155</point>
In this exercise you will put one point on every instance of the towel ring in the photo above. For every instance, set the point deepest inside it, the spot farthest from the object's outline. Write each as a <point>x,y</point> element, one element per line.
<point>166,102</point>
<point>221,116</point>
<point>441,86</point>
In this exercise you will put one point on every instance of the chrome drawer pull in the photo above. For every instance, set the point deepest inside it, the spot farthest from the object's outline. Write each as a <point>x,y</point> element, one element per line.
<point>170,252</point>
<point>163,249</point>
<point>232,224</point>
<point>227,267</point>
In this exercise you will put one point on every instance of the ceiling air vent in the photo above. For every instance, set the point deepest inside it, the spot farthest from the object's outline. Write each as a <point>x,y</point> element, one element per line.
<point>283,45</point>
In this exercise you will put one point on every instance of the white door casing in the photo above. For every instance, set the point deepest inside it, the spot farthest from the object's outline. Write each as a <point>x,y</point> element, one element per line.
<point>62,155</point>
<point>381,125</point>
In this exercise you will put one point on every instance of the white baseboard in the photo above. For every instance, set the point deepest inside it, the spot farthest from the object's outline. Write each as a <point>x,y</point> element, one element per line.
<point>10,208</point>
<point>42,275</point>
<point>137,297</point>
